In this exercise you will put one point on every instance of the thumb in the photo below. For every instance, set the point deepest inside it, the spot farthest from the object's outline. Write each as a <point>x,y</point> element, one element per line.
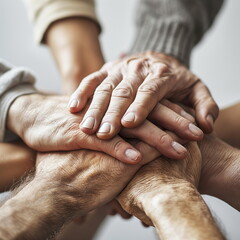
<point>204,105</point>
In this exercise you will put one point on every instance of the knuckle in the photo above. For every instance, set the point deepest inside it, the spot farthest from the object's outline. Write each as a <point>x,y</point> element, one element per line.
<point>160,69</point>
<point>117,147</point>
<point>94,109</point>
<point>150,88</point>
<point>173,106</point>
<point>123,92</point>
<point>180,122</point>
<point>94,76</point>
<point>138,64</point>
<point>163,139</point>
<point>105,88</point>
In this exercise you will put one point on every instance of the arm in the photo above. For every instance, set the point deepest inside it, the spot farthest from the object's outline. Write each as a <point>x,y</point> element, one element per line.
<point>164,194</point>
<point>220,176</point>
<point>173,27</point>
<point>65,184</point>
<point>75,46</point>
<point>16,160</point>
<point>227,125</point>
<point>70,29</point>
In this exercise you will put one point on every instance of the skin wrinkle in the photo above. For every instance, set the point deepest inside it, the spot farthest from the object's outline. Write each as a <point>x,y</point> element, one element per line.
<point>177,167</point>
<point>171,194</point>
<point>166,182</point>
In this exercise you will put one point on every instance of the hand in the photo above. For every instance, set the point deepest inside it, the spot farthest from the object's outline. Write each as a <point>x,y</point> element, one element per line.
<point>52,128</point>
<point>44,124</point>
<point>75,46</point>
<point>125,92</point>
<point>163,193</point>
<point>80,176</point>
<point>160,177</point>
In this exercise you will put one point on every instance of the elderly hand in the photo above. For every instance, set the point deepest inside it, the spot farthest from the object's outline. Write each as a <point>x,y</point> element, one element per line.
<point>82,175</point>
<point>44,124</point>
<point>125,92</point>
<point>157,179</point>
<point>163,193</point>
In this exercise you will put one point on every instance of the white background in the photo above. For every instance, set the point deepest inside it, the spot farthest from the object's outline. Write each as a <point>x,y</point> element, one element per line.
<point>216,61</point>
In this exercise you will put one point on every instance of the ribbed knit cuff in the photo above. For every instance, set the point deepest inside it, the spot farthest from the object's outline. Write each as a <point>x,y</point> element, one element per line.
<point>172,38</point>
<point>164,26</point>
<point>14,82</point>
<point>5,102</point>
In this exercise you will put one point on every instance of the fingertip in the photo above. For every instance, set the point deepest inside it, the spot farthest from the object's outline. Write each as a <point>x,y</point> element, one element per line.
<point>128,119</point>
<point>206,124</point>
<point>74,110</point>
<point>87,125</point>
<point>180,150</point>
<point>132,156</point>
<point>75,105</point>
<point>108,130</point>
<point>105,131</point>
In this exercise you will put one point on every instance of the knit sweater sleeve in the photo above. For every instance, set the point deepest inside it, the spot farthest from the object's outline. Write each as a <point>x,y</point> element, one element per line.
<point>14,82</point>
<point>42,13</point>
<point>173,27</point>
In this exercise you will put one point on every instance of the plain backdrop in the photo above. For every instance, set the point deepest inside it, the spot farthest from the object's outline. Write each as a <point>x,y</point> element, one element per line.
<point>216,60</point>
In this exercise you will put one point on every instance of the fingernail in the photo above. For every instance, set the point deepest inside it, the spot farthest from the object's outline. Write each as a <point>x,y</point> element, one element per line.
<point>73,103</point>
<point>178,148</point>
<point>129,117</point>
<point>187,116</point>
<point>88,123</point>
<point>105,128</point>
<point>210,119</point>
<point>195,130</point>
<point>132,154</point>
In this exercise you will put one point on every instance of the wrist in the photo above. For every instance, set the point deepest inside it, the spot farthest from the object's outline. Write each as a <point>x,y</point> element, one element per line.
<point>220,171</point>
<point>226,184</point>
<point>21,113</point>
<point>179,212</point>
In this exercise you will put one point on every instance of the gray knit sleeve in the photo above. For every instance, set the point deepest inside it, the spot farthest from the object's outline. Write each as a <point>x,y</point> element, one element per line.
<point>173,27</point>
<point>14,82</point>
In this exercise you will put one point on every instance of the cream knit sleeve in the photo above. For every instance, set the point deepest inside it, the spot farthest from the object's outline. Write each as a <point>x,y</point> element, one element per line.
<point>44,12</point>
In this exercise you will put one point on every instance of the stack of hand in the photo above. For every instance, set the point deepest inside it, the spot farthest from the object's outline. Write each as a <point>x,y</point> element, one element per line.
<point>123,114</point>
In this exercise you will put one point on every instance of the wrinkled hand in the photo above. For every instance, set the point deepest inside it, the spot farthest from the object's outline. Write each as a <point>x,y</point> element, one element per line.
<point>87,179</point>
<point>125,92</point>
<point>164,194</point>
<point>45,125</point>
<point>158,180</point>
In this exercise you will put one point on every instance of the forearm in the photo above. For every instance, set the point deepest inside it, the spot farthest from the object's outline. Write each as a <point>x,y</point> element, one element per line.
<point>179,212</point>
<point>33,212</point>
<point>87,228</point>
<point>173,27</point>
<point>220,176</point>
<point>227,125</point>
<point>163,194</point>
<point>75,46</point>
